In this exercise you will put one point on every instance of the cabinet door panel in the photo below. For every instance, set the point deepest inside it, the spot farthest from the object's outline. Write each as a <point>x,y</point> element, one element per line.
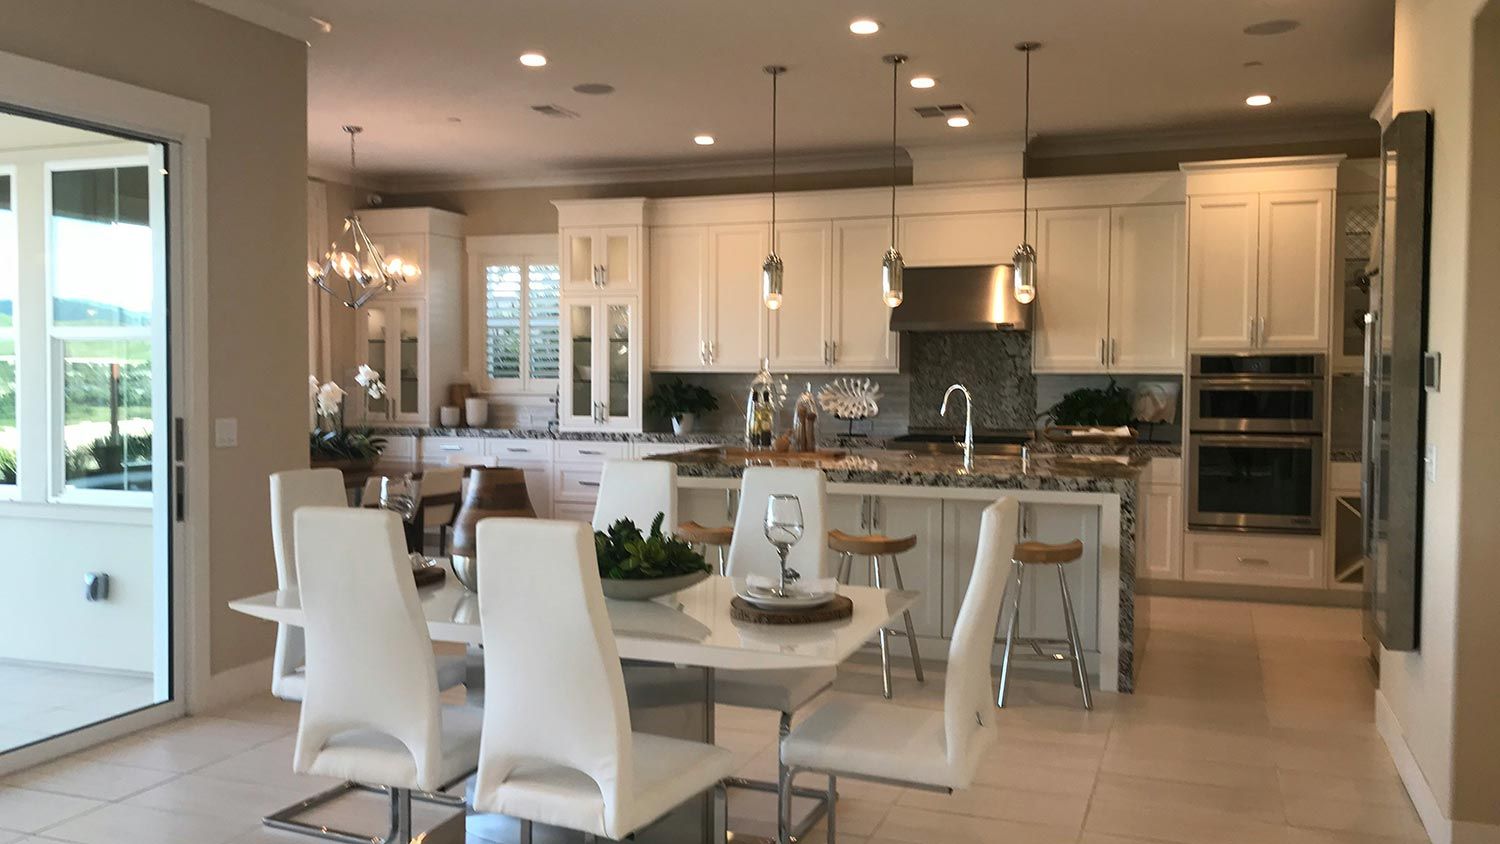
<point>616,250</point>
<point>1072,309</point>
<point>922,566</point>
<point>1222,271</point>
<point>736,316</point>
<point>799,329</point>
<point>956,240</point>
<point>578,259</point>
<point>1148,289</point>
<point>1161,534</point>
<point>576,356</point>
<point>861,321</point>
<point>1295,259</point>
<point>679,290</point>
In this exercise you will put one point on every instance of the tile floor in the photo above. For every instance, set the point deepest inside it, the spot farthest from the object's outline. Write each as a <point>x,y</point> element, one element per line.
<point>1253,724</point>
<point>37,702</point>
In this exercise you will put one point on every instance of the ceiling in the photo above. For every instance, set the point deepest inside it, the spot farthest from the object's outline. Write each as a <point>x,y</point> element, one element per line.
<point>441,95</point>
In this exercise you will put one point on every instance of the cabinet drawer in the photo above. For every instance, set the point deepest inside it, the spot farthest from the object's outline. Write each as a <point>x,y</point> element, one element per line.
<point>577,482</point>
<point>438,448</point>
<point>519,451</point>
<point>1294,561</point>
<point>574,512</point>
<point>586,451</point>
<point>398,448</point>
<point>1166,471</point>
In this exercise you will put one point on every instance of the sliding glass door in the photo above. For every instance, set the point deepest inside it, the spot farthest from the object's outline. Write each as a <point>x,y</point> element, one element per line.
<point>85,570</point>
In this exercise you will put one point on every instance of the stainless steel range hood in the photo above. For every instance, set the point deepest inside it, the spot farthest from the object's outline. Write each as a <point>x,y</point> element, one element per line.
<point>977,298</point>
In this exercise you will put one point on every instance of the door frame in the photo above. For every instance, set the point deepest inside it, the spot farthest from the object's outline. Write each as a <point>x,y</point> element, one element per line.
<point>183,127</point>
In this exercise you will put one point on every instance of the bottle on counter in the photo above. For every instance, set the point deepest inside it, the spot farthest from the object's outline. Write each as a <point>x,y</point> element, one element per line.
<point>760,412</point>
<point>805,422</point>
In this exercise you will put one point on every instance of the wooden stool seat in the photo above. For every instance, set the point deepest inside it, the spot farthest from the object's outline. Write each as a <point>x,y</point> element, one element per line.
<point>1036,553</point>
<point>869,544</point>
<point>696,534</point>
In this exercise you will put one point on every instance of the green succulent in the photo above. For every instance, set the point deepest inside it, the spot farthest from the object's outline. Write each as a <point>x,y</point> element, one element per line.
<point>627,554</point>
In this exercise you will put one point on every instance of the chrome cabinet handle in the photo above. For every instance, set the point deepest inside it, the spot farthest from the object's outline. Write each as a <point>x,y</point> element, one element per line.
<point>588,483</point>
<point>1260,331</point>
<point>451,447</point>
<point>1259,561</point>
<point>713,351</point>
<point>1101,351</point>
<point>518,450</point>
<point>590,452</point>
<point>833,352</point>
<point>1114,351</point>
<point>1251,329</point>
<point>703,352</point>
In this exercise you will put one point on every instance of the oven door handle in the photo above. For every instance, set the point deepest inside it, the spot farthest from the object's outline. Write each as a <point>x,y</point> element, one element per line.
<point>1254,440</point>
<point>1307,384</point>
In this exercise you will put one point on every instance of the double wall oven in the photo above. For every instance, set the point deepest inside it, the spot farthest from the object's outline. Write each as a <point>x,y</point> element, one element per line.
<point>1255,443</point>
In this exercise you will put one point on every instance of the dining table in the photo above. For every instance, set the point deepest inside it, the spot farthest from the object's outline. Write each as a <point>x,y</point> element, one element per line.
<point>670,648</point>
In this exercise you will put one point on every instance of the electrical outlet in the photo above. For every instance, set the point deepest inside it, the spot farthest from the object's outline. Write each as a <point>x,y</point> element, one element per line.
<point>226,432</point>
<point>1430,463</point>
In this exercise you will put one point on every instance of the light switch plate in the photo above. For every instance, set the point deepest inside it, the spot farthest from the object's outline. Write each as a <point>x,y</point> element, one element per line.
<point>1430,462</point>
<point>226,432</point>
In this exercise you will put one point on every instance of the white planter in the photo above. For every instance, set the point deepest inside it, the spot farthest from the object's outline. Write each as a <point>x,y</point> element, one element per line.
<point>477,412</point>
<point>683,424</point>
<point>450,416</point>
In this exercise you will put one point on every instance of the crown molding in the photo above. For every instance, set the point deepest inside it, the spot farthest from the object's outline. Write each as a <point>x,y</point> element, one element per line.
<point>267,16</point>
<point>1353,128</point>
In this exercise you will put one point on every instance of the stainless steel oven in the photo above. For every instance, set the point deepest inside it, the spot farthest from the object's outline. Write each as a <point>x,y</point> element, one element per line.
<point>1267,394</point>
<point>1267,482</point>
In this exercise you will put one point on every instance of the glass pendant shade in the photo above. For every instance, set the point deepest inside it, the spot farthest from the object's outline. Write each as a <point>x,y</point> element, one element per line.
<point>357,274</point>
<point>1024,263</point>
<point>891,269</point>
<point>771,273</point>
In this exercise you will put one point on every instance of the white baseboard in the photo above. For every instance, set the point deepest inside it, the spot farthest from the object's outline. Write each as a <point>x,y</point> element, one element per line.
<point>1439,827</point>
<point>233,686</point>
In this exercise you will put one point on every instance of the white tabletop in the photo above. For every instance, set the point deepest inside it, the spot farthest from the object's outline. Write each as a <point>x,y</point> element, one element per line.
<point>692,627</point>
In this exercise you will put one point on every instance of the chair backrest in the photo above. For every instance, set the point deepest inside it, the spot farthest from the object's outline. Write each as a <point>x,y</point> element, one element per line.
<point>370,664</point>
<point>547,637</point>
<point>750,553</point>
<point>443,480</point>
<point>291,490</point>
<point>637,490</point>
<point>967,703</point>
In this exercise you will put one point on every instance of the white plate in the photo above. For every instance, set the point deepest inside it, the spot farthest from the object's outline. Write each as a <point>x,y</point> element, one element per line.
<point>768,601</point>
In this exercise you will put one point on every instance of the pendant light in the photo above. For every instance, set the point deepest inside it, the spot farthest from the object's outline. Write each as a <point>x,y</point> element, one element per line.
<point>772,270</point>
<point>359,273</point>
<point>892,266</point>
<point>1023,261</point>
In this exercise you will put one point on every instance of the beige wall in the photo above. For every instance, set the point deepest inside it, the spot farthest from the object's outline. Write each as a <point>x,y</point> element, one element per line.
<point>255,84</point>
<point>1445,695</point>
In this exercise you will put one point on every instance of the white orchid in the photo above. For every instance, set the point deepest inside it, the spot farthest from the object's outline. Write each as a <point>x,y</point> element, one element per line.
<point>370,380</point>
<point>312,386</point>
<point>330,399</point>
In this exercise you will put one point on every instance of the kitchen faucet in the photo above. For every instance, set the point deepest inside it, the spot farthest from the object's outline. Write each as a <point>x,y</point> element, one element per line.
<point>968,422</point>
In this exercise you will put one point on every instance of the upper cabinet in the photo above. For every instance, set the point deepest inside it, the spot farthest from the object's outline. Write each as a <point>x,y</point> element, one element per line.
<point>959,239</point>
<point>1111,290</point>
<point>1260,254</point>
<point>860,336</point>
<point>604,259</point>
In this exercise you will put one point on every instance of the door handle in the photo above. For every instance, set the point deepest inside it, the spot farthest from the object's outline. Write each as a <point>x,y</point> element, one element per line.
<point>703,352</point>
<point>713,351</point>
<point>1260,331</point>
<point>1101,351</point>
<point>1258,561</point>
<point>1251,330</point>
<point>833,352</point>
<point>1114,351</point>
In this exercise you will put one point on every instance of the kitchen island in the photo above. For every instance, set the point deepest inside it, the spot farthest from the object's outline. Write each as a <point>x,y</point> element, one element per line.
<point>899,492</point>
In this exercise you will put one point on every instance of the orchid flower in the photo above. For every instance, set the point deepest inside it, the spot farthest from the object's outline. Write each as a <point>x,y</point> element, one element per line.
<point>312,386</point>
<point>330,399</point>
<point>370,380</point>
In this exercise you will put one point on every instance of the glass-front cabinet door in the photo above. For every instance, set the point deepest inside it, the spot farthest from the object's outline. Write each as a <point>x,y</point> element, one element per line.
<point>601,259</point>
<point>602,383</point>
<point>577,407</point>
<point>393,341</point>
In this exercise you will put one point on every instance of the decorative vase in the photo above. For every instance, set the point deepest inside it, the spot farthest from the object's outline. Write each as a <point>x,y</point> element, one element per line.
<point>491,493</point>
<point>682,423</point>
<point>450,416</point>
<point>477,412</point>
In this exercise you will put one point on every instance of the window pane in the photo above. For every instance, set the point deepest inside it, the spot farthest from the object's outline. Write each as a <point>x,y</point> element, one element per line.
<point>10,439</point>
<point>107,414</point>
<point>100,248</point>
<point>542,283</point>
<point>502,286</point>
<point>8,267</point>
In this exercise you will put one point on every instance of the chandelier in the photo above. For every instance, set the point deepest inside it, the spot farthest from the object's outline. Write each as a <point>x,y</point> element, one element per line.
<point>357,272</point>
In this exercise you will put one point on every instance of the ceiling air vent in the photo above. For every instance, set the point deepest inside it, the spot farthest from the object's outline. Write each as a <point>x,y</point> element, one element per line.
<point>553,110</point>
<point>943,111</point>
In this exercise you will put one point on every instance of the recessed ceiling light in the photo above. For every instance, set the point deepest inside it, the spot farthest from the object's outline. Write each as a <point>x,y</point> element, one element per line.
<point>1271,27</point>
<point>864,26</point>
<point>958,121</point>
<point>703,140</point>
<point>533,59</point>
<point>1258,100</point>
<point>923,82</point>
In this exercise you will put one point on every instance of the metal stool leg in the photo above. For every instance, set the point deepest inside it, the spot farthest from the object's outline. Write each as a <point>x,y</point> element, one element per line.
<point>844,570</point>
<point>1075,647</point>
<point>723,560</point>
<point>911,632</point>
<point>885,636</point>
<point>1015,585</point>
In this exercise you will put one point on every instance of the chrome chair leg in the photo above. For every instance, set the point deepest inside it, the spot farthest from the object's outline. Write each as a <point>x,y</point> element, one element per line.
<point>911,632</point>
<point>525,834</point>
<point>833,800</point>
<point>885,636</point>
<point>1010,628</point>
<point>1080,669</point>
<point>400,817</point>
<point>723,561</point>
<point>286,819</point>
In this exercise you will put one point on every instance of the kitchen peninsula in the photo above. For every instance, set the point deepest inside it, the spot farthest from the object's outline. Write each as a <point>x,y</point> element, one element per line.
<point>928,494</point>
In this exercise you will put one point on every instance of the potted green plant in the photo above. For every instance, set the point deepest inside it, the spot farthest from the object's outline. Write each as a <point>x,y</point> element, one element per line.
<point>1103,406</point>
<point>635,567</point>
<point>681,402</point>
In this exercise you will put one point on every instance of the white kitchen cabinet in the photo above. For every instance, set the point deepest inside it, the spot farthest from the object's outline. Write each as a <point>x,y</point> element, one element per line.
<point>1147,288</point>
<point>534,458</point>
<point>601,258</point>
<point>392,337</point>
<point>679,298</point>
<point>736,318</point>
<point>1254,559</point>
<point>921,567</point>
<point>861,337</point>
<point>799,330</point>
<point>1071,327</point>
<point>1296,258</point>
<point>959,239</point>
<point>1222,271</point>
<point>1159,555</point>
<point>601,363</point>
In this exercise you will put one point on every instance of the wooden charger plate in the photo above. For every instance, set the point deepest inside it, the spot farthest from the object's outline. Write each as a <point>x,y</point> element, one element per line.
<point>838,609</point>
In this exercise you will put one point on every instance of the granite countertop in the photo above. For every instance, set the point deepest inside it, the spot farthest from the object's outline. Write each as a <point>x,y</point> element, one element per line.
<point>1085,473</point>
<point>1345,455</point>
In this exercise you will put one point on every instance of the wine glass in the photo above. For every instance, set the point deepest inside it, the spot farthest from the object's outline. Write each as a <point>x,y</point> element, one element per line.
<point>403,496</point>
<point>783,530</point>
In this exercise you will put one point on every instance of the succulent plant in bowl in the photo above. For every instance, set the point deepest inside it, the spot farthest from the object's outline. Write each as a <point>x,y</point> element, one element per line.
<point>637,566</point>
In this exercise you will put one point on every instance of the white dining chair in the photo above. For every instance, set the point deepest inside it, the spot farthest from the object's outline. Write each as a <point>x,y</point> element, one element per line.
<point>782,691</point>
<point>637,490</point>
<point>371,714</point>
<point>869,738</point>
<point>559,749</point>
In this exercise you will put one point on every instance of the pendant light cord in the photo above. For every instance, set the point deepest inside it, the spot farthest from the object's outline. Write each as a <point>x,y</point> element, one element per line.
<point>895,86</point>
<point>1026,152</point>
<point>775,80</point>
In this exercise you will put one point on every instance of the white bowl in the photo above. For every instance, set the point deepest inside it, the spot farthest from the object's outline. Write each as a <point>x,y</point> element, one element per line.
<point>645,590</point>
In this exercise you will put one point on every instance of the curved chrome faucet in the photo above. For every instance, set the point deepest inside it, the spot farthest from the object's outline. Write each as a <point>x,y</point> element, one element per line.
<point>968,444</point>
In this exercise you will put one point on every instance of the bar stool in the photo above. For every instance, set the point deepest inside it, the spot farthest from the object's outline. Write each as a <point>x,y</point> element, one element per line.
<point>704,537</point>
<point>1057,556</point>
<point>876,546</point>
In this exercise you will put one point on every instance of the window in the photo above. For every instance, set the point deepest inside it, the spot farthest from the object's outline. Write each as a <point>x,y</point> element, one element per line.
<point>10,441</point>
<point>521,324</point>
